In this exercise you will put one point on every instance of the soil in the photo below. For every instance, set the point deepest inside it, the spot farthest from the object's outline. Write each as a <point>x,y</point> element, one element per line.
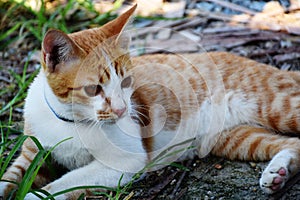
<point>210,178</point>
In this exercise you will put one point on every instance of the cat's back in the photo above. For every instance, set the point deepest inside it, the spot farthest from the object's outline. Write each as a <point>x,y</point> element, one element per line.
<point>232,70</point>
<point>223,61</point>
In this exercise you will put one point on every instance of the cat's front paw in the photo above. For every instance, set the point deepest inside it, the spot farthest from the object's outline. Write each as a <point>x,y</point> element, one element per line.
<point>2,188</point>
<point>273,179</point>
<point>31,196</point>
<point>6,188</point>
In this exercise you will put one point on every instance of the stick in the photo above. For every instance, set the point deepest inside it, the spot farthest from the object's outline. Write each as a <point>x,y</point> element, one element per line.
<point>233,6</point>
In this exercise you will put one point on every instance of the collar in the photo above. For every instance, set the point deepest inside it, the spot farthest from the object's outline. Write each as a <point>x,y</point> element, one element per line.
<point>58,116</point>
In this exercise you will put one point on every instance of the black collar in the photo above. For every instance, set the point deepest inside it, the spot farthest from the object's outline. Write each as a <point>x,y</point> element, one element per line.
<point>55,113</point>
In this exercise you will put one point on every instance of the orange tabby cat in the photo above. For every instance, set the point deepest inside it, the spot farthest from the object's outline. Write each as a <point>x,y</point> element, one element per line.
<point>122,112</point>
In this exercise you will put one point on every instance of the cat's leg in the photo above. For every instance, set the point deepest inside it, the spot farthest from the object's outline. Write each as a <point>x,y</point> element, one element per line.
<point>260,144</point>
<point>93,174</point>
<point>17,170</point>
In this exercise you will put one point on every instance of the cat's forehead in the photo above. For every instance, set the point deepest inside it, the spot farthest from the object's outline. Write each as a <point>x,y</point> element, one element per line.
<point>96,69</point>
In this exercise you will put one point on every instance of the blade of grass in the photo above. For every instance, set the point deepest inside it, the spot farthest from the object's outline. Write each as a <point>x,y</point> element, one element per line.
<point>17,146</point>
<point>17,78</point>
<point>120,190</point>
<point>38,193</point>
<point>117,4</point>
<point>21,94</point>
<point>31,25</point>
<point>10,31</point>
<point>79,188</point>
<point>47,159</point>
<point>41,16</point>
<point>34,167</point>
<point>26,182</point>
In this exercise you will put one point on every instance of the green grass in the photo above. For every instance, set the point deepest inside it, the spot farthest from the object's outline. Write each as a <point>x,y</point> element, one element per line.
<point>19,20</point>
<point>21,84</point>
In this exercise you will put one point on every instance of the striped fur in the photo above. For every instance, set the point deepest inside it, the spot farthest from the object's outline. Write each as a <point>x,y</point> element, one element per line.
<point>130,110</point>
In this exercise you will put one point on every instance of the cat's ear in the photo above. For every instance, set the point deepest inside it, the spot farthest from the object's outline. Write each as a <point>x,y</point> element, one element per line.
<point>58,48</point>
<point>117,26</point>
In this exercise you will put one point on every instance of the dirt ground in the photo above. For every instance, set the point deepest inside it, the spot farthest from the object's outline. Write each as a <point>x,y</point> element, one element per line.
<point>236,180</point>
<point>210,178</point>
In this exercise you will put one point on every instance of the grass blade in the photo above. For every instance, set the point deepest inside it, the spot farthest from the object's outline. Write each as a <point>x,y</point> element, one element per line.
<point>80,188</point>
<point>10,31</point>
<point>34,167</point>
<point>29,176</point>
<point>19,143</point>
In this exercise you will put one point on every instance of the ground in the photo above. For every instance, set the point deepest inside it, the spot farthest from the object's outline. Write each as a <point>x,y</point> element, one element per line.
<point>209,27</point>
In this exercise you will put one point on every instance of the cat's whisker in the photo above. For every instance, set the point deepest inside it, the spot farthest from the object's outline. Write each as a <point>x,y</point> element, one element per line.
<point>142,114</point>
<point>139,120</point>
<point>138,117</point>
<point>141,107</point>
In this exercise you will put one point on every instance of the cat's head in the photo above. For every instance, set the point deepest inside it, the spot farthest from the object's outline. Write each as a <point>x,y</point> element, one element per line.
<point>90,69</point>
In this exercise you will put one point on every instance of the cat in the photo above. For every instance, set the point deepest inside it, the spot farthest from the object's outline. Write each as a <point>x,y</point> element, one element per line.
<point>122,113</point>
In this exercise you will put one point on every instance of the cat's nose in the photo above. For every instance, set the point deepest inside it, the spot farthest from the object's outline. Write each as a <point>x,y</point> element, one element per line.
<point>119,112</point>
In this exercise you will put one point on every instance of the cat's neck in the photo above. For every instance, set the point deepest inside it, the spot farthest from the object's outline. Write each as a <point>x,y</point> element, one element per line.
<point>57,115</point>
<point>61,111</point>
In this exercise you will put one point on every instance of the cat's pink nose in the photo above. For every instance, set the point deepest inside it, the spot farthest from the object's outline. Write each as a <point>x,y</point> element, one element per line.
<point>119,112</point>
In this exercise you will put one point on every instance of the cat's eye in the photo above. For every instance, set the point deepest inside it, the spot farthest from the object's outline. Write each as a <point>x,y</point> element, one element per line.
<point>92,90</point>
<point>126,82</point>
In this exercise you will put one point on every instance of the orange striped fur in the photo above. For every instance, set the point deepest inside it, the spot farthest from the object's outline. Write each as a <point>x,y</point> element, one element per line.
<point>229,105</point>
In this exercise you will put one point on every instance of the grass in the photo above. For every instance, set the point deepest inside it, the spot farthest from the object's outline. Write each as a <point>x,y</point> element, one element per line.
<point>18,19</point>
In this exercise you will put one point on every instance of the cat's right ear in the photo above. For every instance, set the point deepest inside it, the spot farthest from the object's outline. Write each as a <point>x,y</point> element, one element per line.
<point>57,49</point>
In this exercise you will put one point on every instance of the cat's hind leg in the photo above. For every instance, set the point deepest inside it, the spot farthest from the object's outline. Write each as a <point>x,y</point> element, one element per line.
<point>259,144</point>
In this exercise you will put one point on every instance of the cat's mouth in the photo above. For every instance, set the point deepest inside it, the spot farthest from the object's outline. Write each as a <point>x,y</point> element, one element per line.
<point>112,115</point>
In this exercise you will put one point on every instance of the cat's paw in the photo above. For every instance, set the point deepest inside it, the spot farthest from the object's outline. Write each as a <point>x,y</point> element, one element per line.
<point>2,188</point>
<point>31,196</point>
<point>277,172</point>
<point>273,179</point>
<point>6,188</point>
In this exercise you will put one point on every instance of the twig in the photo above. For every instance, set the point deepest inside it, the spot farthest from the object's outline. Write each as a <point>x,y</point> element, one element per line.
<point>173,195</point>
<point>180,194</point>
<point>129,196</point>
<point>192,23</point>
<point>155,190</point>
<point>233,6</point>
<point>231,30</point>
<point>4,79</point>
<point>217,16</point>
<point>158,26</point>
